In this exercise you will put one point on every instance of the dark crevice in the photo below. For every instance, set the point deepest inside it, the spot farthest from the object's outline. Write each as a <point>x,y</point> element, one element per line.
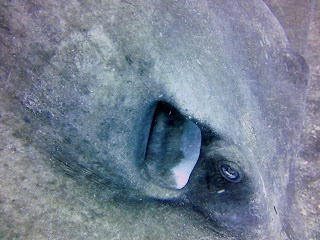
<point>174,146</point>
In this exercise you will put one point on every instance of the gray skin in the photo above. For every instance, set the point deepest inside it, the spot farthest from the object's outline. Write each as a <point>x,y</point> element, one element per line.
<point>87,78</point>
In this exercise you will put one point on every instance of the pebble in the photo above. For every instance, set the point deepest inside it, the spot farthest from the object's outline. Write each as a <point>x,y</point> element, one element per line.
<point>303,212</point>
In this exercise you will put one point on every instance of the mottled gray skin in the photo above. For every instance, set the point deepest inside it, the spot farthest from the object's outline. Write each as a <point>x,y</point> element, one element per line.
<point>89,74</point>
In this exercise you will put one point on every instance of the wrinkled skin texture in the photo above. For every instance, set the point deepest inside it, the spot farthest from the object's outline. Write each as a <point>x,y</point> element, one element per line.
<point>88,77</point>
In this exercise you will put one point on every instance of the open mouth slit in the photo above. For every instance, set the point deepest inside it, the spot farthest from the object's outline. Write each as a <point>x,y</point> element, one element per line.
<point>173,147</point>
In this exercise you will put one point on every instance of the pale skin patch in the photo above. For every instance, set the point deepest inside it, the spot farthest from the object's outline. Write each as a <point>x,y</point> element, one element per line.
<point>181,177</point>
<point>191,143</point>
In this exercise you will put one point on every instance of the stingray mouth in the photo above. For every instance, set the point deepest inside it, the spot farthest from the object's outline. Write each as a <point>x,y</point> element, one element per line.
<point>173,148</point>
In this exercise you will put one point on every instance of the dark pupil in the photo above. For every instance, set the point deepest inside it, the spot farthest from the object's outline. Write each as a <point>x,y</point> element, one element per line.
<point>228,172</point>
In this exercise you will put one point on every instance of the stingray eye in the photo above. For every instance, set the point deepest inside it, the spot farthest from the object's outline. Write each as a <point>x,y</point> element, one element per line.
<point>230,171</point>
